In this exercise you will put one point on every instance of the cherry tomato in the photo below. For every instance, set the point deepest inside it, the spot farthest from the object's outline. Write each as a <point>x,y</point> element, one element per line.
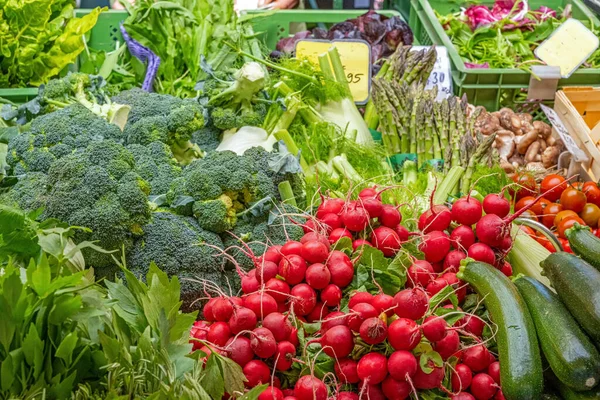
<point>549,213</point>
<point>590,214</point>
<point>552,186</point>
<point>596,232</point>
<point>566,246</point>
<point>588,185</point>
<point>528,186</point>
<point>573,199</point>
<point>543,240</point>
<point>524,202</point>
<point>527,230</point>
<point>566,224</point>
<point>577,185</point>
<point>564,215</point>
<point>529,215</point>
<point>592,193</point>
<point>540,206</point>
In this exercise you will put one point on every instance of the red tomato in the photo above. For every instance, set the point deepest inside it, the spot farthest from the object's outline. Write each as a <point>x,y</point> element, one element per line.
<point>529,215</point>
<point>550,213</point>
<point>566,246</point>
<point>543,240</point>
<point>552,186</point>
<point>566,224</point>
<point>527,230</point>
<point>573,199</point>
<point>540,206</point>
<point>592,192</point>
<point>527,185</point>
<point>524,202</point>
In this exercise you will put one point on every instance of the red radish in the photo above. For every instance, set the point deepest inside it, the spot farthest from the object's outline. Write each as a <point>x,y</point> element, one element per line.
<point>355,218</point>
<point>332,221</point>
<point>317,313</point>
<point>218,333</point>
<point>360,242</point>
<point>373,330</point>
<point>278,289</point>
<point>206,351</point>
<point>402,365</point>
<point>386,240</point>
<point>506,244</point>
<point>273,254</point>
<point>266,270</point>
<point>237,301</point>
<point>309,226</point>
<point>284,355</point>
<point>291,247</point>
<point>283,307</point>
<point>462,237</point>
<point>437,218</point>
<point>432,380</point>
<point>315,252</point>
<point>395,390</point>
<point>453,259</point>
<point>309,387</point>
<point>372,205</point>
<point>333,319</point>
<point>222,309</point>
<point>239,350</point>
<point>345,370</point>
<point>249,283</point>
<point>384,303</point>
<point>472,324</point>
<point>208,308</point>
<point>341,269</point>
<point>304,299</point>
<point>402,233</point>
<point>256,372</point>
<point>370,192</point>
<point>467,210</point>
<point>292,268</point>
<point>483,387</point>
<point>435,246</point>
<point>420,273</point>
<point>370,392</point>
<point>334,206</point>
<point>496,204</point>
<point>436,286</point>
<point>314,236</point>
<point>372,368</point>
<point>499,395</point>
<point>411,303</point>
<point>261,303</point>
<point>506,269</point>
<point>494,371</point>
<point>339,233</point>
<point>438,267</point>
<point>331,295</point>
<point>448,345</point>
<point>263,343</point>
<point>293,339</point>
<point>434,328</point>
<point>243,319</point>
<point>279,325</point>
<point>199,332</point>
<point>404,334</point>
<point>359,313</point>
<point>482,252</point>
<point>360,297</point>
<point>492,229</point>
<point>462,396</point>
<point>347,396</point>
<point>461,377</point>
<point>390,216</point>
<point>477,358</point>
<point>271,393</point>
<point>318,276</point>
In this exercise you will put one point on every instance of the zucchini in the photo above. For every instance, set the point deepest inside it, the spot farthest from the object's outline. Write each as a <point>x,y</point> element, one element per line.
<point>577,284</point>
<point>585,244</point>
<point>569,394</point>
<point>570,353</point>
<point>518,351</point>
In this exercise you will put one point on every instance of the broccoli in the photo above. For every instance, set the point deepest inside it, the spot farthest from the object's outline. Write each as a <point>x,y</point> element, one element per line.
<point>170,120</point>
<point>99,189</point>
<point>29,193</point>
<point>178,245</point>
<point>155,163</point>
<point>208,138</point>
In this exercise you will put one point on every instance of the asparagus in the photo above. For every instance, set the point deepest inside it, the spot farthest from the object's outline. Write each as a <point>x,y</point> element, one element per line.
<point>426,117</point>
<point>477,157</point>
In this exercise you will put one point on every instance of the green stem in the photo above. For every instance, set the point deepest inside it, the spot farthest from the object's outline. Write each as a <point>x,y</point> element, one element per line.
<point>287,194</point>
<point>326,67</point>
<point>284,135</point>
<point>338,67</point>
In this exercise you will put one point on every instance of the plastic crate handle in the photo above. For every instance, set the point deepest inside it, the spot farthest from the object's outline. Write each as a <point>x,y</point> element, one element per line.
<point>145,55</point>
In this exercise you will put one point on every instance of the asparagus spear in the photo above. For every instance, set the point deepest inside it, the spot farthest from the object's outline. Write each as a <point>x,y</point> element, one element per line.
<point>427,119</point>
<point>477,157</point>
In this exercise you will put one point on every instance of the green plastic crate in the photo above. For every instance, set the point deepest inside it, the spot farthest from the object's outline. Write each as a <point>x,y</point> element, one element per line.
<point>492,88</point>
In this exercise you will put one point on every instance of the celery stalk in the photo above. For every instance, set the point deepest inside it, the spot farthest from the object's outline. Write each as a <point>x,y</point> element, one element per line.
<point>526,255</point>
<point>445,188</point>
<point>287,194</point>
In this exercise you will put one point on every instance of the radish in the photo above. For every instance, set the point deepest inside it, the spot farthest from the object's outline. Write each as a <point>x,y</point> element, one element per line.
<point>335,318</point>
<point>461,377</point>
<point>472,324</point>
<point>384,303</point>
<point>304,299</point>
<point>314,236</point>
<point>483,387</point>
<point>462,237</point>
<point>434,328</point>
<point>207,312</point>
<point>372,368</point>
<point>402,365</point>
<point>477,358</point>
<point>404,334</point>
<point>395,390</point>
<point>507,269</point>
<point>339,233</point>
<point>266,270</point>
<point>436,286</point>
<point>494,371</point>
<point>271,393</point>
<point>279,325</point>
<point>453,259</point>
<point>360,297</point>
<point>390,216</point>
<point>435,245</point>
<point>309,387</point>
<point>293,339</point>
<point>333,205</point>
<point>345,370</point>
<point>411,303</point>
<point>243,319</point>
<point>346,396</point>
<point>263,343</point>
<point>222,309</point>
<point>273,254</point>
<point>341,269</point>
<point>437,218</point>
<point>462,396</point>
<point>499,395</point>
<point>239,350</point>
<point>261,303</point>
<point>359,313</point>
<point>448,346</point>
<point>370,192</point>
<point>291,248</point>
<point>355,218</point>
<point>506,244</point>
<point>198,332</point>
<point>284,356</point>
<point>482,252</point>
<point>332,221</point>
<point>218,333</point>
<point>331,295</point>
<point>278,289</point>
<point>373,330</point>
<point>360,242</point>
<point>492,229</point>
<point>420,273</point>
<point>315,252</point>
<point>318,276</point>
<point>370,392</point>
<point>386,240</point>
<point>292,268</point>
<point>372,205</point>
<point>256,372</point>
<point>249,282</point>
<point>466,210</point>
<point>496,204</point>
<point>290,398</point>
<point>432,380</point>
<point>309,226</point>
<point>402,233</point>
<point>317,313</point>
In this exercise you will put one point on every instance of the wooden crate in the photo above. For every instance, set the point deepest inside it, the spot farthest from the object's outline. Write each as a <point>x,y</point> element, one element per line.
<point>579,110</point>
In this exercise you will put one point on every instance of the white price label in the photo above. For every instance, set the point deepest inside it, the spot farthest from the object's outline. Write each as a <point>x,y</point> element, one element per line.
<point>441,75</point>
<point>562,131</point>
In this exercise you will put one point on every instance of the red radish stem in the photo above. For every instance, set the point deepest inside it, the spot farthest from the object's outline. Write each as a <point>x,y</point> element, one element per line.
<point>318,276</point>
<point>279,325</point>
<point>404,334</point>
<point>372,368</point>
<point>263,343</point>
<point>345,370</point>
<point>373,331</point>
<point>402,365</point>
<point>411,303</point>
<point>331,295</point>
<point>304,299</point>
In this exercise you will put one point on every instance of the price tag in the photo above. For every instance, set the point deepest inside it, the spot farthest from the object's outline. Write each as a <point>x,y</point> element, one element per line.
<point>441,76</point>
<point>356,59</point>
<point>566,138</point>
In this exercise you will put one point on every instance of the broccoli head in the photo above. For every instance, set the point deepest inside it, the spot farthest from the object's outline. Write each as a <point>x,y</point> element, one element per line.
<point>208,138</point>
<point>155,163</point>
<point>29,193</point>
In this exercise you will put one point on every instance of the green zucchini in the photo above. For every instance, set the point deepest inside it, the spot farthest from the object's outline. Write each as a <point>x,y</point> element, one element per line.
<point>518,351</point>
<point>577,284</point>
<point>585,244</point>
<point>569,394</point>
<point>570,353</point>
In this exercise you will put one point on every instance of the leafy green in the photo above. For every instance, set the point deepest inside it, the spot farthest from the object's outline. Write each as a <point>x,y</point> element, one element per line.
<point>374,271</point>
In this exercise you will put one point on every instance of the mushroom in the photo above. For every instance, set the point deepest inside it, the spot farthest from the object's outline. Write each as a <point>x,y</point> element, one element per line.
<point>487,124</point>
<point>535,167</point>
<point>543,144</point>
<point>516,160</point>
<point>507,167</point>
<point>550,156</point>
<point>526,118</point>
<point>543,129</point>
<point>505,144</point>
<point>523,142</point>
<point>532,151</point>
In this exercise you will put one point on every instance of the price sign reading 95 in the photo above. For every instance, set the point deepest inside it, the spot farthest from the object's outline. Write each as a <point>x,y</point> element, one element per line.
<point>356,59</point>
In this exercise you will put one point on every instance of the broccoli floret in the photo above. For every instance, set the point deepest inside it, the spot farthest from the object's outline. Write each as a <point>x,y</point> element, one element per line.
<point>155,163</point>
<point>208,138</point>
<point>99,189</point>
<point>218,215</point>
<point>230,118</point>
<point>29,193</point>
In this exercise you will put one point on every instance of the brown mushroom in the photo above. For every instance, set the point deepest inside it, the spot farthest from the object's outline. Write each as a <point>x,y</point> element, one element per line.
<point>526,118</point>
<point>523,142</point>
<point>550,156</point>
<point>543,144</point>
<point>532,151</point>
<point>543,129</point>
<point>505,144</point>
<point>516,160</point>
<point>487,124</point>
<point>507,167</point>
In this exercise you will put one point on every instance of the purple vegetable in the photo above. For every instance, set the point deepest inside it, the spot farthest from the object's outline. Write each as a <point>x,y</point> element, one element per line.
<point>479,16</point>
<point>143,54</point>
<point>474,65</point>
<point>543,13</point>
<point>288,45</point>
